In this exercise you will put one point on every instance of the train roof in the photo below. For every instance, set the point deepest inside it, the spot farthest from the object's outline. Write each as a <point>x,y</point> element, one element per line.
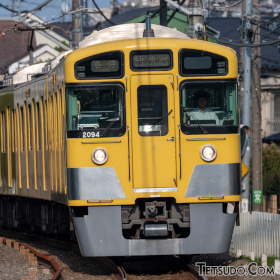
<point>128,31</point>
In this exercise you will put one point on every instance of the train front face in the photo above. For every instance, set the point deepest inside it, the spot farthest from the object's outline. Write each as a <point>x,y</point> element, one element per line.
<point>146,174</point>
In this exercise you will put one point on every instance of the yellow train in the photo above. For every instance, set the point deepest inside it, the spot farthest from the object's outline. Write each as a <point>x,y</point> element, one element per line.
<point>107,141</point>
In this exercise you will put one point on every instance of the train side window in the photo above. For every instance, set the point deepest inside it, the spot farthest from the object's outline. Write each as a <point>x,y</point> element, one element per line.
<point>46,125</point>
<point>30,127</point>
<point>58,101</point>
<point>63,115</point>
<point>152,110</point>
<point>0,148</point>
<point>39,126</point>
<point>3,132</point>
<point>54,119</point>
<point>14,125</point>
<point>8,145</point>
<point>35,127</point>
<point>22,125</point>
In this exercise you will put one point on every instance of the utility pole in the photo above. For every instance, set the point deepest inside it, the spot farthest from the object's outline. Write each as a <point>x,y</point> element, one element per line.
<point>76,23</point>
<point>13,8</point>
<point>19,17</point>
<point>86,14</point>
<point>30,49</point>
<point>115,8</point>
<point>63,6</point>
<point>195,20</point>
<point>246,104</point>
<point>241,71</point>
<point>257,192</point>
<point>163,13</point>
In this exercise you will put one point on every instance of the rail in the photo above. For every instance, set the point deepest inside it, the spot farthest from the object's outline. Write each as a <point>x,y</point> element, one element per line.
<point>193,273</point>
<point>118,271</point>
<point>44,260</point>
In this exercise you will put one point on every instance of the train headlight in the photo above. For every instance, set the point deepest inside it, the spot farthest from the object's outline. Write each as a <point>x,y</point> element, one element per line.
<point>208,152</point>
<point>99,156</point>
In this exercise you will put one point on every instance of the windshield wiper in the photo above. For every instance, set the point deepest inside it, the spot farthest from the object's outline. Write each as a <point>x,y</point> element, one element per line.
<point>110,124</point>
<point>196,120</point>
<point>161,119</point>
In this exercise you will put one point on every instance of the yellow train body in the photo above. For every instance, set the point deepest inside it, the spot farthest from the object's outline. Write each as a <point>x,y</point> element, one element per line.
<point>148,172</point>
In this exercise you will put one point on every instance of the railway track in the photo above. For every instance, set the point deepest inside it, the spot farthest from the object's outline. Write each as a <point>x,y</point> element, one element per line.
<point>193,273</point>
<point>117,271</point>
<point>112,266</point>
<point>43,260</point>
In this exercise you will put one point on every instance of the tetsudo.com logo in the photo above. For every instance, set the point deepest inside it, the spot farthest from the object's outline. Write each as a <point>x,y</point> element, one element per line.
<point>251,269</point>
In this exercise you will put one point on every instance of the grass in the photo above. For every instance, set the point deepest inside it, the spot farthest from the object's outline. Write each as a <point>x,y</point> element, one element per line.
<point>270,260</point>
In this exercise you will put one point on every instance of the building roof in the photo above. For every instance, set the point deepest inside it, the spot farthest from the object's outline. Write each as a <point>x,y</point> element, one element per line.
<point>275,138</point>
<point>230,29</point>
<point>13,45</point>
<point>127,16</point>
<point>38,53</point>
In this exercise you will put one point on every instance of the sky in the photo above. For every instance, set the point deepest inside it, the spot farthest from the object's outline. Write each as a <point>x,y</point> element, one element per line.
<point>51,11</point>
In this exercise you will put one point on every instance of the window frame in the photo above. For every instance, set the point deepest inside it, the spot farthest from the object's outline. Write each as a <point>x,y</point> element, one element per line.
<point>181,64</point>
<point>113,131</point>
<point>108,76</point>
<point>164,91</point>
<point>215,129</point>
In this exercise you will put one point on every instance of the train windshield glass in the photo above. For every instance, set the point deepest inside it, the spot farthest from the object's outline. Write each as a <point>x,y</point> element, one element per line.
<point>209,104</point>
<point>95,108</point>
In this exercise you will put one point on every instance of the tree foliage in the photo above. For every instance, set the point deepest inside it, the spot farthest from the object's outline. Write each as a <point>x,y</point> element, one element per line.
<point>271,168</point>
<point>60,49</point>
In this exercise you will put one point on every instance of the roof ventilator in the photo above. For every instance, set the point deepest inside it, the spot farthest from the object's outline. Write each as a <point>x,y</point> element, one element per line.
<point>148,32</point>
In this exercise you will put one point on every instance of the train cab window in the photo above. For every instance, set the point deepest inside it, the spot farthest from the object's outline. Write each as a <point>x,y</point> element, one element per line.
<point>152,110</point>
<point>208,107</point>
<point>95,111</point>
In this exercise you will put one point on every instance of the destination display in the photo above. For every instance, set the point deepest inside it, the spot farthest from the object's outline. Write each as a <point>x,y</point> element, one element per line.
<point>151,60</point>
<point>104,66</point>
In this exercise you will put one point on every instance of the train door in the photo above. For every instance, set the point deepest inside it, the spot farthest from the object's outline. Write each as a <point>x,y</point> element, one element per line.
<point>153,132</point>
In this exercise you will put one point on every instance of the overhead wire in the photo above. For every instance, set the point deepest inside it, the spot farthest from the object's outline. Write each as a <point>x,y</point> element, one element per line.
<point>10,10</point>
<point>270,32</point>
<point>259,21</point>
<point>102,14</point>
<point>226,7</point>
<point>236,44</point>
<point>156,12</point>
<point>35,9</point>
<point>174,12</point>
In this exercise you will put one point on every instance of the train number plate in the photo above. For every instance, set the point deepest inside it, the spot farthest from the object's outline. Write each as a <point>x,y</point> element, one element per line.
<point>91,134</point>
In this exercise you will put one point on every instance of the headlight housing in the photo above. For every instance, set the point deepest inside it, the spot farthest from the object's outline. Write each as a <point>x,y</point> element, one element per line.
<point>99,156</point>
<point>208,152</point>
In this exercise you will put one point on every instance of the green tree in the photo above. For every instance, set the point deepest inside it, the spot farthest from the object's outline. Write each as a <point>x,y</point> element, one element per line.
<point>271,168</point>
<point>60,49</point>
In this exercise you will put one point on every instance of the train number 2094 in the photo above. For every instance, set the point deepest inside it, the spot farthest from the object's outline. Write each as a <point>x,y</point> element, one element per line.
<point>91,134</point>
